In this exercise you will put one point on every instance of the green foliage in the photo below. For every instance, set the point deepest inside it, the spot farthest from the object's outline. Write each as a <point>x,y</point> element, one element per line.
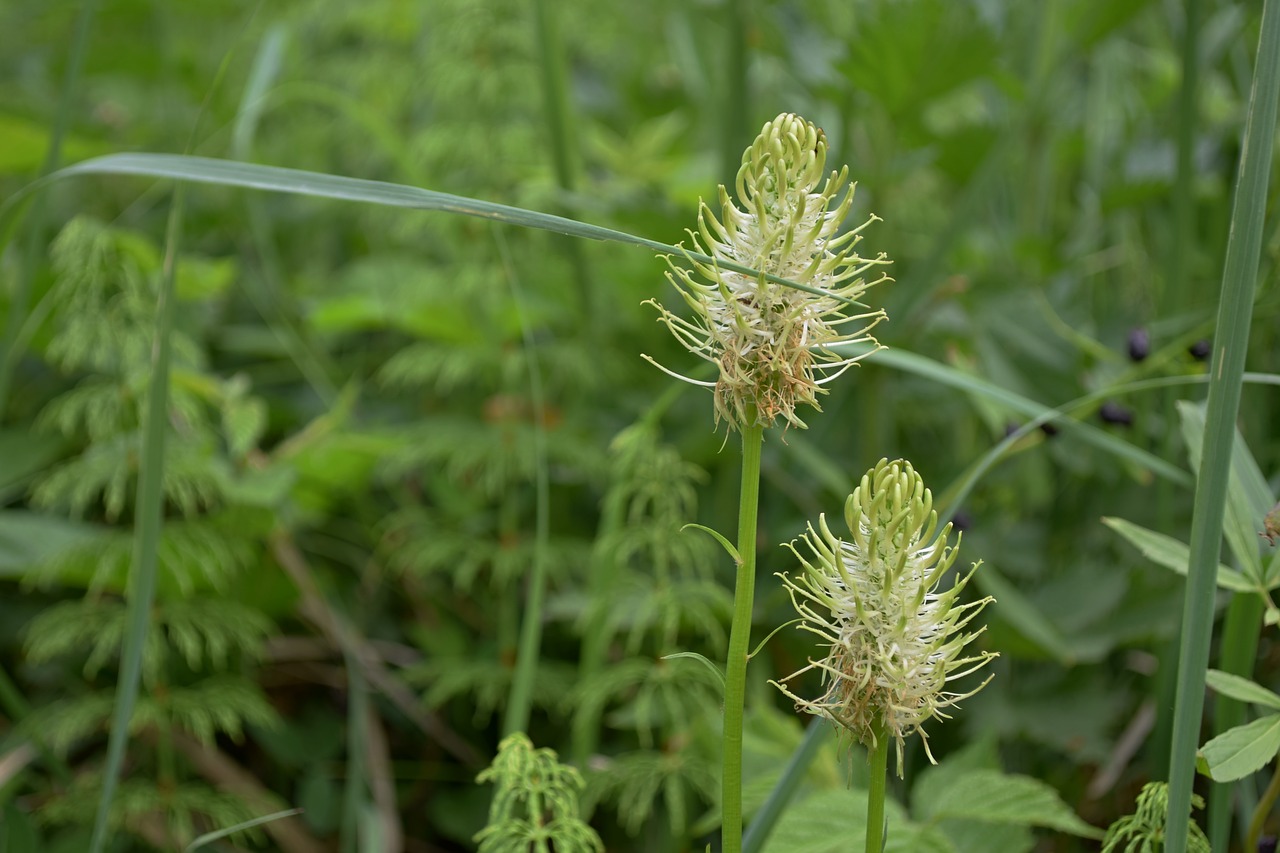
<point>535,803</point>
<point>1143,831</point>
<point>353,380</point>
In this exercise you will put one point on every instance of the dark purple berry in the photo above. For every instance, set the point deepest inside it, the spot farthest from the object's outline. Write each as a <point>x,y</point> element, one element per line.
<point>1267,844</point>
<point>1010,428</point>
<point>1048,429</point>
<point>962,520</point>
<point>1200,349</point>
<point>1139,344</point>
<point>1114,413</point>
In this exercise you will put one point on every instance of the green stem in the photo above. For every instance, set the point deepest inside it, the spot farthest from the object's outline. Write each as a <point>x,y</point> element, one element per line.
<point>875,794</point>
<point>517,717</point>
<point>148,528</point>
<point>1231,339</point>
<point>792,777</point>
<point>1260,813</point>
<point>739,638</point>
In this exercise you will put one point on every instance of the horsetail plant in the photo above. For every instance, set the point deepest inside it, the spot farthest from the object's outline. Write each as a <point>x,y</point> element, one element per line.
<point>771,344</point>
<point>895,642</point>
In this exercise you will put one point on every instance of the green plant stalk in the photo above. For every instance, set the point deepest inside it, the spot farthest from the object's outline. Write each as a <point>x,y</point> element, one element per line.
<point>517,716</point>
<point>557,111</point>
<point>1231,339</point>
<point>1238,652</point>
<point>353,792</point>
<point>735,675</point>
<point>1260,814</point>
<point>879,760</point>
<point>734,107</point>
<point>10,345</point>
<point>147,528</point>
<point>792,777</point>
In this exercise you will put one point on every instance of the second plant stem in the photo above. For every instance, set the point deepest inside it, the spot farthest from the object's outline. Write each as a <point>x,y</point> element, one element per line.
<point>876,793</point>
<point>735,675</point>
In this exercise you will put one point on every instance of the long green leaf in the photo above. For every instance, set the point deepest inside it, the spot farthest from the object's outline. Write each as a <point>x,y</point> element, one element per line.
<point>943,374</point>
<point>230,173</point>
<point>996,797</point>
<point>1169,552</point>
<point>1231,340</point>
<point>1241,688</point>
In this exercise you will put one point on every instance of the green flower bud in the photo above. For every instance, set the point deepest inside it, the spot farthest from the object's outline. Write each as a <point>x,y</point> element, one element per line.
<point>894,640</point>
<point>773,344</point>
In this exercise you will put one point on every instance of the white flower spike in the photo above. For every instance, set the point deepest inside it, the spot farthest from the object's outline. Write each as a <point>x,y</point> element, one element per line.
<point>771,343</point>
<point>894,641</point>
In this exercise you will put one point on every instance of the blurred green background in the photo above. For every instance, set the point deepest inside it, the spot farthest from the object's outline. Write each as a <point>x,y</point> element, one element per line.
<point>358,393</point>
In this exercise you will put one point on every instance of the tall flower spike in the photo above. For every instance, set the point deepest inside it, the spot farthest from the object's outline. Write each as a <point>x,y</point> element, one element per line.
<point>773,344</point>
<point>894,640</point>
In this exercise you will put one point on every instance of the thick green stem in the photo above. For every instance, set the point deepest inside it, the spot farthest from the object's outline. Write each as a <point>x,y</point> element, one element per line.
<point>876,793</point>
<point>1230,340</point>
<point>735,675</point>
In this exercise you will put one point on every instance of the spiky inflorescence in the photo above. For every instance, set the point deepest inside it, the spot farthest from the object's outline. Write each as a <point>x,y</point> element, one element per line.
<point>894,640</point>
<point>771,343</point>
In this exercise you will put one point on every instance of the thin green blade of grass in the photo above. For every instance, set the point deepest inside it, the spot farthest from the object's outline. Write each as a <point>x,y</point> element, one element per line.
<point>521,699</point>
<point>210,837</point>
<point>147,529</point>
<point>1231,337</point>
<point>230,173</point>
<point>945,375</point>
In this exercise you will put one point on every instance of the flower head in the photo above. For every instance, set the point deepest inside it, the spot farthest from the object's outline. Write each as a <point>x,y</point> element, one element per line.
<point>771,343</point>
<point>894,640</point>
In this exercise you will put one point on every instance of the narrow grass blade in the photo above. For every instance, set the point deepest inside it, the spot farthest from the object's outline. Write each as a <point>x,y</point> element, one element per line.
<point>229,173</point>
<point>147,529</point>
<point>210,837</point>
<point>1231,339</point>
<point>941,373</point>
<point>521,700</point>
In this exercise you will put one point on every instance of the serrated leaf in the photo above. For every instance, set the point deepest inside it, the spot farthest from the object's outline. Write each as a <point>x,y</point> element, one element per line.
<point>1241,688</point>
<point>994,797</point>
<point>1169,552</point>
<point>1242,750</point>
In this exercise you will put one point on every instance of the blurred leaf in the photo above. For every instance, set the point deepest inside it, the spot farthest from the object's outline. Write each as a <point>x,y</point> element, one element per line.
<point>836,821</point>
<point>29,538</point>
<point>996,797</point>
<point>905,54</point>
<point>1015,609</point>
<point>1241,688</point>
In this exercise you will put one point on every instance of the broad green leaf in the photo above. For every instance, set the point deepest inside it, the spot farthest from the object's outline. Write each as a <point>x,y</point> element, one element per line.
<point>995,797</point>
<point>1238,752</point>
<point>835,821</point>
<point>1241,688</point>
<point>1172,554</point>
